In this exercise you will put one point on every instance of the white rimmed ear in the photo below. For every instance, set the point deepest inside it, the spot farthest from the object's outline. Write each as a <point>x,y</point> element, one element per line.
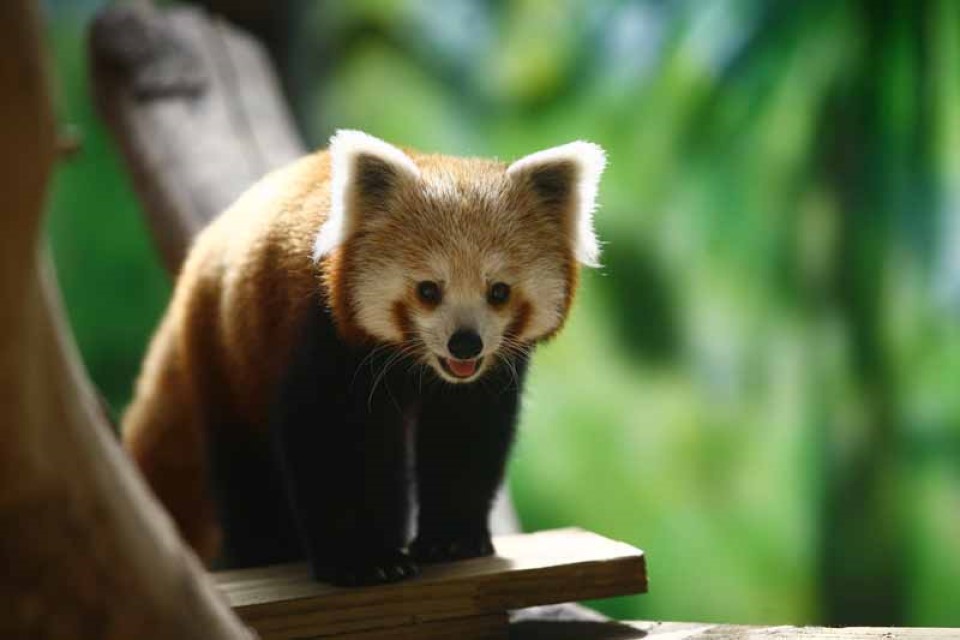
<point>364,173</point>
<point>566,178</point>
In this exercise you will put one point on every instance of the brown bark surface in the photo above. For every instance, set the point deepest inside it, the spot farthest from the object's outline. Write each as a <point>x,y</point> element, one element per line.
<point>85,551</point>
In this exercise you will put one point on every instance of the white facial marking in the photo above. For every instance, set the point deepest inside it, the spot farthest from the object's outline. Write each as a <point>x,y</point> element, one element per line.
<point>373,292</point>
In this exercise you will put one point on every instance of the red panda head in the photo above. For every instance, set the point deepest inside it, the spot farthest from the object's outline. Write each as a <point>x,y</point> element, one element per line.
<point>456,261</point>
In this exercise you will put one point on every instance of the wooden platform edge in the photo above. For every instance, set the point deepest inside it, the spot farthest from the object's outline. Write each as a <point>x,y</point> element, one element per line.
<point>529,569</point>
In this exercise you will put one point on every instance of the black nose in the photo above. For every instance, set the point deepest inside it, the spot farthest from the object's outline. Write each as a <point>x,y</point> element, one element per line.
<point>465,344</point>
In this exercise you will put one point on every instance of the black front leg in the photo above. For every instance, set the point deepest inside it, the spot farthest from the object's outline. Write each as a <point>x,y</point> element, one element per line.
<point>463,438</point>
<point>342,448</point>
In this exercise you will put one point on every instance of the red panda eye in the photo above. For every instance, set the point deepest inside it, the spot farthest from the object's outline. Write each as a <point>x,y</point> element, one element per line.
<point>429,292</point>
<point>499,293</point>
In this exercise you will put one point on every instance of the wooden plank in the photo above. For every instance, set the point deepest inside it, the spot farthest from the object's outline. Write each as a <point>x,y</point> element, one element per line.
<point>700,631</point>
<point>528,570</point>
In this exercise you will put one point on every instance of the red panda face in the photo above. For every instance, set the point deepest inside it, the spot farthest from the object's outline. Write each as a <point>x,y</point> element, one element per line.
<point>457,262</point>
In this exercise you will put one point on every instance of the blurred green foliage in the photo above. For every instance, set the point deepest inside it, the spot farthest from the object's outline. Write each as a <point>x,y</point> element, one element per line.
<point>760,387</point>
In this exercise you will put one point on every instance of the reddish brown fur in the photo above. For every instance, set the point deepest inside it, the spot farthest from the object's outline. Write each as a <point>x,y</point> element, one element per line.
<point>224,339</point>
<point>573,279</point>
<point>333,269</point>
<point>229,329</point>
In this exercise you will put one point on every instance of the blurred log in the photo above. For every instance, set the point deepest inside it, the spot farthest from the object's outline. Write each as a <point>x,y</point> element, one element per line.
<point>196,110</point>
<point>84,549</point>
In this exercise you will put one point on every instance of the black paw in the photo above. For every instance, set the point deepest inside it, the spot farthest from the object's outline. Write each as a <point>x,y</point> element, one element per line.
<point>427,549</point>
<point>379,568</point>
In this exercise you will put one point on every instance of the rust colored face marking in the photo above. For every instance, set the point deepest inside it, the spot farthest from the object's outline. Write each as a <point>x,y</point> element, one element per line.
<point>401,317</point>
<point>520,320</point>
<point>334,269</point>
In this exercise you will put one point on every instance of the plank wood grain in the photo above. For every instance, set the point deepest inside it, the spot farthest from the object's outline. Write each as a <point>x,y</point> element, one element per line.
<point>533,569</point>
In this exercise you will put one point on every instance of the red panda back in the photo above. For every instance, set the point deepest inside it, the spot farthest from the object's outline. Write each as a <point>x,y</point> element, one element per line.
<point>225,337</point>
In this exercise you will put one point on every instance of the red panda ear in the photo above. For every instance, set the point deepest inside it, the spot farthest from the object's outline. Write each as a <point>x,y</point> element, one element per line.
<point>566,179</point>
<point>364,172</point>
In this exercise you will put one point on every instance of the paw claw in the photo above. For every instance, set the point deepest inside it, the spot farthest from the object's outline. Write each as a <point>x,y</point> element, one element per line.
<point>381,568</point>
<point>436,549</point>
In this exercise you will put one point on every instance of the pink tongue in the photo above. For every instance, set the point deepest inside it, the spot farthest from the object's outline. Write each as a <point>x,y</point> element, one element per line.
<point>462,368</point>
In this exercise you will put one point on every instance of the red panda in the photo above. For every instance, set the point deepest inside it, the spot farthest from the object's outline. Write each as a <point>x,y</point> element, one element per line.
<point>358,322</point>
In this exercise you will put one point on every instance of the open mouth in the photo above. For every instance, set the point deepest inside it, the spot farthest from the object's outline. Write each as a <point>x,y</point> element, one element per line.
<point>461,369</point>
